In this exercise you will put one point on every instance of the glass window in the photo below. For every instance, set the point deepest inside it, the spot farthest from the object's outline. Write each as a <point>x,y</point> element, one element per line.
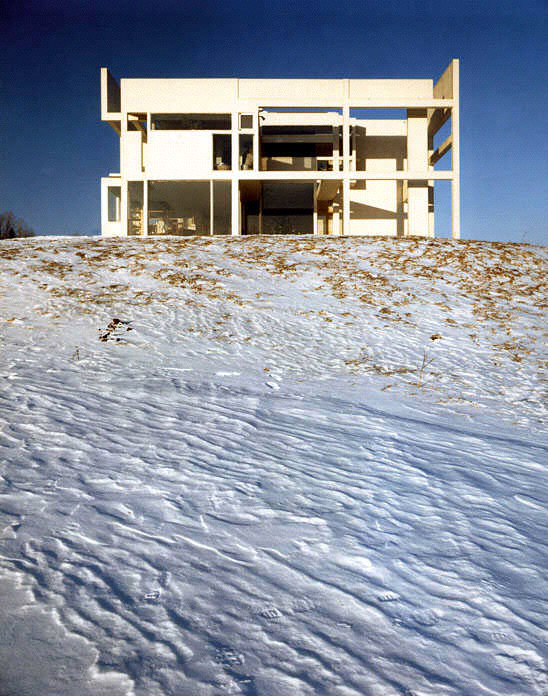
<point>246,121</point>
<point>114,195</point>
<point>135,208</point>
<point>191,121</point>
<point>246,152</point>
<point>179,207</point>
<point>222,151</point>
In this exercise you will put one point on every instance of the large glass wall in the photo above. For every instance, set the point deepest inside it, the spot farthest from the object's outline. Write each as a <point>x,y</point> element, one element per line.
<point>277,207</point>
<point>291,141</point>
<point>185,207</point>
<point>287,207</point>
<point>178,207</point>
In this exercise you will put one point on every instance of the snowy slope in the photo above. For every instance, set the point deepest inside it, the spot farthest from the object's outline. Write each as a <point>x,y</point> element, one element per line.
<point>273,466</point>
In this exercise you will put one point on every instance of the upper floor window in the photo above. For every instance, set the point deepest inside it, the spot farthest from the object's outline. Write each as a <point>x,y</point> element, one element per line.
<point>191,121</point>
<point>246,121</point>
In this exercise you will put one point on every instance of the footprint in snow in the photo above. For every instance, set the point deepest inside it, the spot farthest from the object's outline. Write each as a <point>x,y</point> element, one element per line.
<point>270,613</point>
<point>417,619</point>
<point>302,605</point>
<point>226,655</point>
<point>388,597</point>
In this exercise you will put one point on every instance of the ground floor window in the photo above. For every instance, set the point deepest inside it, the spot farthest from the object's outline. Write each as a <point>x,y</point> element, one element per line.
<point>135,221</point>
<point>114,195</point>
<point>277,207</point>
<point>189,207</point>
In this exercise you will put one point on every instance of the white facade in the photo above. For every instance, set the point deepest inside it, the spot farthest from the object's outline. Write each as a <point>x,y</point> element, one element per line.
<point>245,156</point>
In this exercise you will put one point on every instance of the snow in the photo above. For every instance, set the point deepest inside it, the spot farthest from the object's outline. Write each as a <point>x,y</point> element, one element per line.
<point>273,466</point>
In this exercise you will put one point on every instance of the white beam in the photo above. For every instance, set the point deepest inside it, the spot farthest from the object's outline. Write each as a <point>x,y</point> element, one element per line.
<point>331,103</point>
<point>304,138</point>
<point>387,175</point>
<point>249,175</point>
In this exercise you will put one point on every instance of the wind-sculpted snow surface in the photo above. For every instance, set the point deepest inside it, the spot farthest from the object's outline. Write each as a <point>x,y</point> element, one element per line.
<point>273,466</point>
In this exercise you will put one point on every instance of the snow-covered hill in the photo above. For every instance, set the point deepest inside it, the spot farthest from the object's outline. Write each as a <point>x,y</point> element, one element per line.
<point>273,466</point>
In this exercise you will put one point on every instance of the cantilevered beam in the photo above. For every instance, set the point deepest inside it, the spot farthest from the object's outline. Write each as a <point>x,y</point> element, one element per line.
<point>140,126</point>
<point>116,126</point>
<point>441,150</point>
<point>437,117</point>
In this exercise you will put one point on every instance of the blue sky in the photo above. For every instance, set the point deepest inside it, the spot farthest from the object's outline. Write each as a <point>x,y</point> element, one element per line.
<point>54,149</point>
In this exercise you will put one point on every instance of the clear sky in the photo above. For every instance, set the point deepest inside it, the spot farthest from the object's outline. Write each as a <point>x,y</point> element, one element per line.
<point>54,149</point>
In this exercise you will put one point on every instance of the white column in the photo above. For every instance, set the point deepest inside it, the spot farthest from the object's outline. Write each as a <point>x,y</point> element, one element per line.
<point>315,214</point>
<point>256,153</point>
<point>417,160</point>
<point>346,206</point>
<point>455,131</point>
<point>235,141</point>
<point>124,206</point>
<point>211,207</point>
<point>145,145</point>
<point>431,218</point>
<point>455,207</point>
<point>104,206</point>
<point>235,206</point>
<point>336,148</point>
<point>431,209</point>
<point>346,159</point>
<point>145,207</point>
<point>417,208</point>
<point>336,227</point>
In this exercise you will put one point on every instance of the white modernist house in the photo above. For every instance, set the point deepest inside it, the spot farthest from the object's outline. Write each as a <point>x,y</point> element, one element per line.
<point>248,156</point>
